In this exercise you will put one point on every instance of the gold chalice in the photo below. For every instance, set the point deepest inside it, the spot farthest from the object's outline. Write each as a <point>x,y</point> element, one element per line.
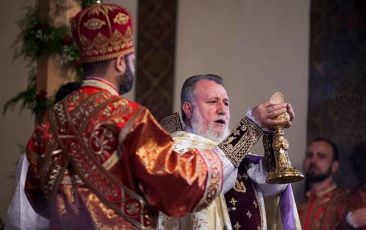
<point>282,172</point>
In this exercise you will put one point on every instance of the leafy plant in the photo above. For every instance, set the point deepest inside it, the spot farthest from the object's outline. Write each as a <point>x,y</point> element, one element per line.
<point>41,38</point>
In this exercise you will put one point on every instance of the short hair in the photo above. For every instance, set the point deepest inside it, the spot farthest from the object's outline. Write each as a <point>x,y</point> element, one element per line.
<point>331,143</point>
<point>189,84</point>
<point>66,89</point>
<point>93,68</point>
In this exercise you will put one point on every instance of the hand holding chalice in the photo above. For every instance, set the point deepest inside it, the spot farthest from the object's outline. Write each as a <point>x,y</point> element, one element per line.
<point>281,171</point>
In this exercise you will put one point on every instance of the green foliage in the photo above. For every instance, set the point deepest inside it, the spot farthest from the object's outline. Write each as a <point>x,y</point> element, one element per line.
<point>38,38</point>
<point>41,38</point>
<point>29,99</point>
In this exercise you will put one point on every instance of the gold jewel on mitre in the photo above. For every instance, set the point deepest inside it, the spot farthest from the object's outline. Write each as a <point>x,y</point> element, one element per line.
<point>102,32</point>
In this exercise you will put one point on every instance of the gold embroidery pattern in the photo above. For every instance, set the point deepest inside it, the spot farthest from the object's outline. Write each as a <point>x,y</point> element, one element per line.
<point>108,56</point>
<point>95,83</point>
<point>71,179</point>
<point>108,164</point>
<point>121,18</point>
<point>103,139</point>
<point>255,204</point>
<point>269,156</point>
<point>81,159</point>
<point>94,199</point>
<point>237,145</point>
<point>53,165</point>
<point>62,209</point>
<point>115,41</point>
<point>103,31</point>
<point>133,207</point>
<point>71,194</point>
<point>54,173</point>
<point>95,206</point>
<point>102,45</point>
<point>233,201</point>
<point>86,44</point>
<point>237,226</point>
<point>89,106</point>
<point>112,160</point>
<point>86,164</point>
<point>214,182</point>
<point>168,222</point>
<point>240,187</point>
<point>94,24</point>
<point>172,123</point>
<point>185,141</point>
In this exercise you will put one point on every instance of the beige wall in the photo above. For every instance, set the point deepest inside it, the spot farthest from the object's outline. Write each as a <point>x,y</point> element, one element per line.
<point>258,46</point>
<point>15,128</point>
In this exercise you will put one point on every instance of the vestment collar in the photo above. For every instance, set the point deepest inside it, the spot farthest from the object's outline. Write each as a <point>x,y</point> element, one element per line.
<point>101,83</point>
<point>322,192</point>
<point>184,141</point>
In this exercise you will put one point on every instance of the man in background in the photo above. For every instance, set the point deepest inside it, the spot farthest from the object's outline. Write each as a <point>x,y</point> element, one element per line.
<point>324,206</point>
<point>356,201</point>
<point>206,114</point>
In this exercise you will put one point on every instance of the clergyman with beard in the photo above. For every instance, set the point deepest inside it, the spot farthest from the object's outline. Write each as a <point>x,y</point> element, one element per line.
<point>324,207</point>
<point>100,161</point>
<point>205,111</point>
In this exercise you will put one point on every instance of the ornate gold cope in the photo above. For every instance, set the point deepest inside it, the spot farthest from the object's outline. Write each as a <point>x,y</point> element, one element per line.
<point>282,172</point>
<point>216,215</point>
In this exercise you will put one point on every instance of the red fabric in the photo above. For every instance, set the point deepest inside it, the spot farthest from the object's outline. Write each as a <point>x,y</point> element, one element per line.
<point>323,210</point>
<point>144,162</point>
<point>356,200</point>
<point>102,32</point>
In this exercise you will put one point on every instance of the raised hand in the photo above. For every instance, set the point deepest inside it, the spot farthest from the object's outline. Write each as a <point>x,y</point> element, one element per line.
<point>266,113</point>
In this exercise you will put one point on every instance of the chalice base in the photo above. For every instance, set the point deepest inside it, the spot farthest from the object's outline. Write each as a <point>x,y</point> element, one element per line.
<point>284,176</point>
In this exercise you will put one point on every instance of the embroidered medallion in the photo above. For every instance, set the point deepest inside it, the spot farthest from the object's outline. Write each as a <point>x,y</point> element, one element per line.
<point>94,24</point>
<point>121,18</point>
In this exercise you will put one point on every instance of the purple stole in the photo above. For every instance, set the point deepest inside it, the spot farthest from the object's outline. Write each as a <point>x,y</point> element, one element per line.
<point>242,203</point>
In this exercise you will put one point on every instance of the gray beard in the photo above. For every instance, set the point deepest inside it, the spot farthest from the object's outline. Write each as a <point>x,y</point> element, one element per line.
<point>210,134</point>
<point>206,132</point>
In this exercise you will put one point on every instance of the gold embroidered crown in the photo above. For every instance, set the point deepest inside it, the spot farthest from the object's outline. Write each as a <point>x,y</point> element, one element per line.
<point>102,32</point>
